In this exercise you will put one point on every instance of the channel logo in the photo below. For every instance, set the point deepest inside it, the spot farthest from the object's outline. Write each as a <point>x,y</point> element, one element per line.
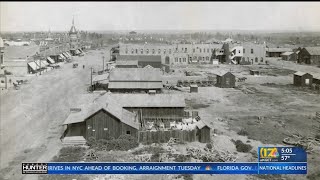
<point>269,153</point>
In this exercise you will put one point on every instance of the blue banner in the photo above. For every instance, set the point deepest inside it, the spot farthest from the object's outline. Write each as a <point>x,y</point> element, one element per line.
<point>177,168</point>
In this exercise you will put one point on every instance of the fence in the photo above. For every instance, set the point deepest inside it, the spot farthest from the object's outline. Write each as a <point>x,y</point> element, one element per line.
<point>149,137</point>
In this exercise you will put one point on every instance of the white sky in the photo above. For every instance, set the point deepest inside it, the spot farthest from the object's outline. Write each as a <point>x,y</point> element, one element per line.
<point>57,16</point>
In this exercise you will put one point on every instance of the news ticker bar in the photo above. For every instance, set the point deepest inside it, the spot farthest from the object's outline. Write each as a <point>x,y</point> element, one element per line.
<point>165,168</point>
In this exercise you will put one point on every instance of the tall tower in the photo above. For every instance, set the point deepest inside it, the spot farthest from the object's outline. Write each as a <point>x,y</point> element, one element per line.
<point>73,38</point>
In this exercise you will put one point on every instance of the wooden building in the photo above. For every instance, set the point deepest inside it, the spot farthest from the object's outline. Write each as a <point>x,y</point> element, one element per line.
<point>203,132</point>
<point>153,106</point>
<point>143,60</point>
<point>302,79</point>
<point>310,55</point>
<point>225,80</point>
<point>127,64</point>
<point>289,56</point>
<point>101,120</point>
<point>135,79</point>
<point>276,52</point>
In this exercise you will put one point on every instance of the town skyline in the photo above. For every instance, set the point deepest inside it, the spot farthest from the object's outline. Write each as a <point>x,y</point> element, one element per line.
<point>153,16</point>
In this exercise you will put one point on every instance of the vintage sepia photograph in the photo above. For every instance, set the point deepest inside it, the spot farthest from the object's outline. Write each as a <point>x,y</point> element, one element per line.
<point>159,90</point>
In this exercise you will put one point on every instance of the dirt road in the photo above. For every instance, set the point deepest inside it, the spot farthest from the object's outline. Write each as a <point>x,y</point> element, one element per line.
<point>31,117</point>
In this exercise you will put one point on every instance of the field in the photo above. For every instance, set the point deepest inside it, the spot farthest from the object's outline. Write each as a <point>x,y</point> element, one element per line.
<point>264,108</point>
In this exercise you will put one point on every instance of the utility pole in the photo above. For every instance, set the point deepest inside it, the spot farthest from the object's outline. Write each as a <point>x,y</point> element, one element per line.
<point>91,80</point>
<point>102,63</point>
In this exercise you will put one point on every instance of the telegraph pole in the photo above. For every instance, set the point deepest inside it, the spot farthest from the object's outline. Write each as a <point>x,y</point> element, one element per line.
<point>91,80</point>
<point>102,63</point>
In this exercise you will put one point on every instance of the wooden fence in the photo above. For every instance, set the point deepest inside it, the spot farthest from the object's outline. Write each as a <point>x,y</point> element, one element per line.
<point>148,137</point>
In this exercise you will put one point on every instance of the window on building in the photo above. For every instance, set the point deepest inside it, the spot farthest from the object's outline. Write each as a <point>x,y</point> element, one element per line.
<point>141,51</point>
<point>244,50</point>
<point>199,58</point>
<point>126,51</point>
<point>203,58</point>
<point>261,60</point>
<point>251,51</point>
<point>204,50</point>
<point>164,51</point>
<point>207,58</point>
<point>200,50</point>
<point>153,51</point>
<point>136,51</point>
<point>256,59</point>
<point>176,49</point>
<point>2,81</point>
<point>181,49</point>
<point>194,50</point>
<point>208,50</point>
<point>185,49</point>
<point>147,51</point>
<point>184,59</point>
<point>239,51</point>
<point>190,58</point>
<point>176,59</point>
<point>132,51</point>
<point>128,132</point>
<point>159,51</point>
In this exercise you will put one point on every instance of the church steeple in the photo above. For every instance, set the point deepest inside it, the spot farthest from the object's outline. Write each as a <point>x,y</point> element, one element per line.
<point>73,28</point>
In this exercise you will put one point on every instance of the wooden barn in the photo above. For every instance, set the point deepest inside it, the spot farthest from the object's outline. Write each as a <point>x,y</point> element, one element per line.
<point>310,55</point>
<point>203,132</point>
<point>143,60</point>
<point>101,120</point>
<point>302,79</point>
<point>225,79</point>
<point>276,52</point>
<point>135,79</point>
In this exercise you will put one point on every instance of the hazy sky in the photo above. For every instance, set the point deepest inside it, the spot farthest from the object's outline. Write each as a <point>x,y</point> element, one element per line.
<point>57,16</point>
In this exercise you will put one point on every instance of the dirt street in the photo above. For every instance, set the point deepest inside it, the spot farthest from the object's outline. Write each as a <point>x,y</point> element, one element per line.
<point>31,117</point>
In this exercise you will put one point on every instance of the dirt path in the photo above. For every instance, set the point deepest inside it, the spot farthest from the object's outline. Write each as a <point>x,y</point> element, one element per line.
<point>31,117</point>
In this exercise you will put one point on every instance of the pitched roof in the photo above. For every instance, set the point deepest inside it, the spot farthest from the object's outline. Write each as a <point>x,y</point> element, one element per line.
<point>201,124</point>
<point>109,105</point>
<point>316,75</point>
<point>125,62</point>
<point>287,53</point>
<point>221,73</point>
<point>135,85</point>
<point>140,58</point>
<point>299,73</point>
<point>135,74</point>
<point>278,49</point>
<point>147,100</point>
<point>313,50</point>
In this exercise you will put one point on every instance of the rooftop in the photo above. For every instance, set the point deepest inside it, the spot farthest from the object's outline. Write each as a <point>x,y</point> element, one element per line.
<point>313,50</point>
<point>135,74</point>
<point>278,49</point>
<point>145,58</point>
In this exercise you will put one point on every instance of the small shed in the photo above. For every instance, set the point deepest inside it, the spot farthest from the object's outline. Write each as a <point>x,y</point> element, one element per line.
<point>302,79</point>
<point>203,132</point>
<point>193,88</point>
<point>225,79</point>
<point>254,72</point>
